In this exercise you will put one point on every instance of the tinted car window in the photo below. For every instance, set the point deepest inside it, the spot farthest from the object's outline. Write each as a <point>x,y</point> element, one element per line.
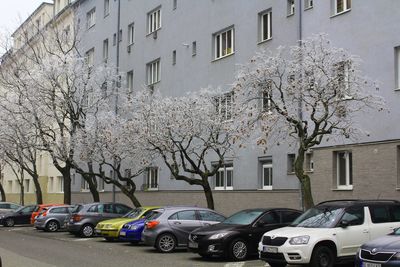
<point>379,214</point>
<point>94,208</point>
<point>59,210</point>
<point>395,212</point>
<point>4,206</point>
<point>184,215</point>
<point>77,208</point>
<point>354,215</point>
<point>121,209</point>
<point>319,217</point>
<point>243,217</point>
<point>108,208</point>
<point>210,216</point>
<point>28,209</point>
<point>289,216</point>
<point>269,218</point>
<point>13,206</point>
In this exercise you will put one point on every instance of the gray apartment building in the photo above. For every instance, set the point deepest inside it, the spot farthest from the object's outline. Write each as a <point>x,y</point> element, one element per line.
<point>178,46</point>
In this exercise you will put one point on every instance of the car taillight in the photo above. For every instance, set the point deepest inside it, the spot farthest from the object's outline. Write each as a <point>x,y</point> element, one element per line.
<point>76,218</point>
<point>152,224</point>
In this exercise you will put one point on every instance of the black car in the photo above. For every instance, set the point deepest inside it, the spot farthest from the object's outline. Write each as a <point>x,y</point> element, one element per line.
<point>381,252</point>
<point>20,216</point>
<point>239,234</point>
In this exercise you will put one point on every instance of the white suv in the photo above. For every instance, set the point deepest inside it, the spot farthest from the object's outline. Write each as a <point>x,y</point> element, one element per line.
<point>330,232</point>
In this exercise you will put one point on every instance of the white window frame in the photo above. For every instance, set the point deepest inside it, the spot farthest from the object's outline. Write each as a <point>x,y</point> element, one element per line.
<point>264,167</point>
<point>91,18</point>
<point>26,185</point>
<point>222,46</point>
<point>224,171</point>
<point>50,184</point>
<point>152,177</point>
<point>105,50</point>
<point>308,4</point>
<point>266,15</point>
<point>397,67</point>
<point>60,184</point>
<point>346,154</point>
<point>131,34</point>
<point>345,6</point>
<point>225,106</point>
<point>106,8</point>
<point>129,81</point>
<point>291,7</point>
<point>90,57</point>
<point>174,57</point>
<point>153,72</point>
<point>343,69</point>
<point>100,184</point>
<point>309,161</point>
<point>154,20</point>
<point>291,159</point>
<point>84,186</point>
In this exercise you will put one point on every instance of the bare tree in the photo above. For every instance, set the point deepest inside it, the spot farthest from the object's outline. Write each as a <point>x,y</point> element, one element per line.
<point>309,93</point>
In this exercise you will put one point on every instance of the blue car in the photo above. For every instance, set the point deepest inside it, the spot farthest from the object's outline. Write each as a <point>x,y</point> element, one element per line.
<point>132,231</point>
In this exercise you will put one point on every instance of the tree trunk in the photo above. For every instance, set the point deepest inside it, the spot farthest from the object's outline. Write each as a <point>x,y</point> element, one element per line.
<point>2,193</point>
<point>22,194</point>
<point>131,195</point>
<point>208,193</point>
<point>38,190</point>
<point>93,188</point>
<point>66,172</point>
<point>304,179</point>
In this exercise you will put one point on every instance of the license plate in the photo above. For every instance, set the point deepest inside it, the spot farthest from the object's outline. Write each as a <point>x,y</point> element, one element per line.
<point>370,264</point>
<point>193,245</point>
<point>122,233</point>
<point>270,249</point>
<point>97,231</point>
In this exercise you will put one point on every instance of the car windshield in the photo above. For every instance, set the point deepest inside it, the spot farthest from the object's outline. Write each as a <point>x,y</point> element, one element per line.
<point>77,208</point>
<point>133,213</point>
<point>396,231</point>
<point>243,217</point>
<point>319,217</point>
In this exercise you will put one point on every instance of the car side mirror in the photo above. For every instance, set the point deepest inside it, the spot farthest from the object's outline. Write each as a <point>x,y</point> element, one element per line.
<point>344,223</point>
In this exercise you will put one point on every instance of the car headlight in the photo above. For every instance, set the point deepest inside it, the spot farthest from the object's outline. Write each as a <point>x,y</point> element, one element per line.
<point>396,256</point>
<point>218,236</point>
<point>133,227</point>
<point>299,240</point>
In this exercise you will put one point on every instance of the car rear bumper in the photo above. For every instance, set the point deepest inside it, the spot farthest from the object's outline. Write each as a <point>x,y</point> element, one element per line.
<point>39,224</point>
<point>149,238</point>
<point>73,228</point>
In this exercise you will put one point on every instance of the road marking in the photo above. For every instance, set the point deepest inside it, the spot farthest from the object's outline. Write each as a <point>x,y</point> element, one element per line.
<point>235,264</point>
<point>82,239</point>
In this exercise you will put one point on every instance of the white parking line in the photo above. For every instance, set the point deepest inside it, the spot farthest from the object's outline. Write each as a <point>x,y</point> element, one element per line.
<point>82,239</point>
<point>235,264</point>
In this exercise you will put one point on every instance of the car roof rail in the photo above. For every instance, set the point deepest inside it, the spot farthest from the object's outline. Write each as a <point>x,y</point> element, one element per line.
<point>359,201</point>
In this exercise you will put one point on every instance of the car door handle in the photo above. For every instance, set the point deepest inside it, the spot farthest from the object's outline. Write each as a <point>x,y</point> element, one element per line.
<point>207,224</point>
<point>177,223</point>
<point>365,231</point>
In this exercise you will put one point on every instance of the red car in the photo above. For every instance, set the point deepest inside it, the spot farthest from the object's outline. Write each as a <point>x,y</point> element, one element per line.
<point>40,208</point>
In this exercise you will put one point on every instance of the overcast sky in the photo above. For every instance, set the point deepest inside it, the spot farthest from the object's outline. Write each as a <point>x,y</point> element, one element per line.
<point>12,12</point>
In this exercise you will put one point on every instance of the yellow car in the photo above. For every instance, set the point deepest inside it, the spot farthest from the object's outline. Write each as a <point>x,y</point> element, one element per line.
<point>109,229</point>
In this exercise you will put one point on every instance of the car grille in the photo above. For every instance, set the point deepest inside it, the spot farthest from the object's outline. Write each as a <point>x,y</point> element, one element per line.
<point>277,241</point>
<point>379,256</point>
<point>196,238</point>
<point>273,256</point>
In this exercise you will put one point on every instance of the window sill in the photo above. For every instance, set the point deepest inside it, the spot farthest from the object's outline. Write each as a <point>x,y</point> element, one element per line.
<point>153,32</point>
<point>397,89</point>
<point>343,188</point>
<point>308,8</point>
<point>223,188</point>
<point>106,15</point>
<point>88,28</point>
<point>153,84</point>
<point>85,190</point>
<point>228,55</point>
<point>266,189</point>
<point>291,173</point>
<point>264,41</point>
<point>341,13</point>
<point>289,15</point>
<point>151,189</point>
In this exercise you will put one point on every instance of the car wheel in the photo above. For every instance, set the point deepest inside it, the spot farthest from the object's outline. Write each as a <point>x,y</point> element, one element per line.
<point>9,222</point>
<point>166,243</point>
<point>52,226</point>
<point>322,256</point>
<point>87,230</point>
<point>238,250</point>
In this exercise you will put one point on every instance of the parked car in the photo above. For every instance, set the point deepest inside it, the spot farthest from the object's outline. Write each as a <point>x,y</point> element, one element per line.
<point>331,231</point>
<point>85,217</point>
<point>238,236</point>
<point>20,216</point>
<point>51,219</point>
<point>8,206</point>
<point>132,231</point>
<point>40,209</point>
<point>172,228</point>
<point>381,252</point>
<point>109,229</point>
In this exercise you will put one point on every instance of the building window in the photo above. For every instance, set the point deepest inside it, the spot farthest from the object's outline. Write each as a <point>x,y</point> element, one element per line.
<point>397,66</point>
<point>224,178</point>
<point>174,57</point>
<point>344,170</point>
<point>129,81</point>
<point>9,186</point>
<point>106,8</point>
<point>343,76</point>
<point>153,72</point>
<point>26,185</point>
<point>50,185</point>
<point>90,57</point>
<point>60,184</point>
<point>152,178</point>
<point>84,185</point>
<point>398,167</point>
<point>194,48</point>
<point>265,25</point>
<point>290,7</point>
<point>120,35</point>
<point>114,39</point>
<point>154,20</point>
<point>309,162</point>
<point>105,50</point>
<point>341,6</point>
<point>224,43</point>
<point>291,158</point>
<point>267,176</point>
<point>174,4</point>
<point>224,106</point>
<point>100,184</point>
<point>308,4</point>
<point>91,18</point>
<point>131,34</point>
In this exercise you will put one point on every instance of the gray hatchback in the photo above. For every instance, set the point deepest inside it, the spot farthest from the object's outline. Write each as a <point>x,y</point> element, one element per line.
<point>51,219</point>
<point>172,226</point>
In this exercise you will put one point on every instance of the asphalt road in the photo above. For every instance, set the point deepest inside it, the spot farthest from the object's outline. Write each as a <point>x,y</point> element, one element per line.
<point>26,246</point>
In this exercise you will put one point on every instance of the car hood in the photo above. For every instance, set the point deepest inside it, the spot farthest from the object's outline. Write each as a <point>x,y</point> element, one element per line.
<point>289,231</point>
<point>140,221</point>
<point>389,242</point>
<point>217,228</point>
<point>115,222</point>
